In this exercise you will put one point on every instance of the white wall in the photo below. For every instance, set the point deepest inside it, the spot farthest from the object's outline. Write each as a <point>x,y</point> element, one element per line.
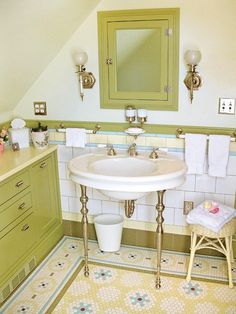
<point>31,33</point>
<point>209,26</point>
<point>5,116</point>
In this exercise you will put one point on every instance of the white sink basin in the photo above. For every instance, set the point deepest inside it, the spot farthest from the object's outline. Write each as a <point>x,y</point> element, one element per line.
<point>123,167</point>
<point>127,178</point>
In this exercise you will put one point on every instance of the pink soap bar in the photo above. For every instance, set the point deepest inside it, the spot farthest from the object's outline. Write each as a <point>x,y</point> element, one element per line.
<point>214,210</point>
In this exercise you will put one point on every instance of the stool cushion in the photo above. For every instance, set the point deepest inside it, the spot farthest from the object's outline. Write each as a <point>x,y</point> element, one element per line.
<point>229,229</point>
<point>211,215</point>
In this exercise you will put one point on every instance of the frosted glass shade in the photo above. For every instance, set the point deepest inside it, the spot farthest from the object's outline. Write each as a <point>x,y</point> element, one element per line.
<point>192,57</point>
<point>80,58</point>
<point>142,113</point>
<point>130,112</point>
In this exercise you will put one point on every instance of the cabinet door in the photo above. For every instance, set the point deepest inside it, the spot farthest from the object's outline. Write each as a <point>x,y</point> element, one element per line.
<point>46,202</point>
<point>15,244</point>
<point>139,58</point>
<point>148,45</point>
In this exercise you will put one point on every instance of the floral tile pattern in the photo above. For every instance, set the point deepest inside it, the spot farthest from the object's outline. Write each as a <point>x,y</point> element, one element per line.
<point>41,288</point>
<point>109,295</point>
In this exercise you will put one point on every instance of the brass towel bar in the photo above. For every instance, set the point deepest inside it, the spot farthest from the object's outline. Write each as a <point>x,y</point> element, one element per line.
<point>97,127</point>
<point>180,134</point>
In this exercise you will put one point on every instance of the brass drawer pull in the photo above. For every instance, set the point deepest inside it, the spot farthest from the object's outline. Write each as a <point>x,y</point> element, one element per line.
<point>19,183</point>
<point>43,165</point>
<point>109,61</point>
<point>25,227</point>
<point>21,206</point>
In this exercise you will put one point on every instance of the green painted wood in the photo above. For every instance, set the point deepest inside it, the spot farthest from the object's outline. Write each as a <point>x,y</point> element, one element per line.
<point>19,246</point>
<point>44,194</point>
<point>6,124</point>
<point>108,23</point>
<point>14,185</point>
<point>120,127</point>
<point>14,208</point>
<point>15,244</point>
<point>43,248</point>
<point>112,72</point>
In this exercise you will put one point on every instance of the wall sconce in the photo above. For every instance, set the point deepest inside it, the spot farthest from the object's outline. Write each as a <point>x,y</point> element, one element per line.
<point>130,113</point>
<point>130,116</point>
<point>142,116</point>
<point>86,79</point>
<point>192,80</point>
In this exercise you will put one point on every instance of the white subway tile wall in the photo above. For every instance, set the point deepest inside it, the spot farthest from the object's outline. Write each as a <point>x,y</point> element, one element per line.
<point>204,183</point>
<point>196,188</point>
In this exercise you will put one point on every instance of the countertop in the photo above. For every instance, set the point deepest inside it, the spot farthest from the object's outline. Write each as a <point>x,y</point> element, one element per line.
<point>13,161</point>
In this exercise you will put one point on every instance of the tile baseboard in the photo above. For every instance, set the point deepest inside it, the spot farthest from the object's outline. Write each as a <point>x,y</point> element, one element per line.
<point>135,237</point>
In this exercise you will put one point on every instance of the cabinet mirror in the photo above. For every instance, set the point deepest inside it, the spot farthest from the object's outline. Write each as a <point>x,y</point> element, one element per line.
<point>138,58</point>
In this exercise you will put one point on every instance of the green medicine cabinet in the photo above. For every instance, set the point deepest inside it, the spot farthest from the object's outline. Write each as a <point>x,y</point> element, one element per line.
<point>139,58</point>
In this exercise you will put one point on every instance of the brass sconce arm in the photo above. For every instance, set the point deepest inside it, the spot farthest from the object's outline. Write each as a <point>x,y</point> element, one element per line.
<point>192,80</point>
<point>86,79</point>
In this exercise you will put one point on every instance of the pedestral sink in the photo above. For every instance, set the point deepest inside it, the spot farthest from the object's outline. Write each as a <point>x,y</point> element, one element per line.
<point>127,178</point>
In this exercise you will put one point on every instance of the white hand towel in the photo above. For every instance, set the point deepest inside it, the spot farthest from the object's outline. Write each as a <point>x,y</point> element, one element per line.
<point>75,137</point>
<point>218,155</point>
<point>214,222</point>
<point>195,152</point>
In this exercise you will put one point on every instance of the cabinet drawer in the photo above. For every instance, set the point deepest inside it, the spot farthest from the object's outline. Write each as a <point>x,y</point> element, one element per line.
<point>17,242</point>
<point>13,186</point>
<point>14,208</point>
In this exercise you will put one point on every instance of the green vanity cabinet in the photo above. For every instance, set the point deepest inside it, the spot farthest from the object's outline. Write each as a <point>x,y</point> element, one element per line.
<point>17,241</point>
<point>45,195</point>
<point>30,218</point>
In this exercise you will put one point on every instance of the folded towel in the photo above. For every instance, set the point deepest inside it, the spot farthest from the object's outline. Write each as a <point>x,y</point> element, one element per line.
<point>218,155</point>
<point>195,152</point>
<point>211,220</point>
<point>75,137</point>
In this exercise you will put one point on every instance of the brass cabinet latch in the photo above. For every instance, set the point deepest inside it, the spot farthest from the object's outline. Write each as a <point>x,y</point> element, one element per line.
<point>109,61</point>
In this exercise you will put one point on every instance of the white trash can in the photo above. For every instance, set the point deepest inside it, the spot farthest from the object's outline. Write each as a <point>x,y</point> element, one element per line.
<point>109,231</point>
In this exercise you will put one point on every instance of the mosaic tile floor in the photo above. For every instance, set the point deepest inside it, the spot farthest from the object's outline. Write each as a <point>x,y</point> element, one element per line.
<point>37,293</point>
<point>112,290</point>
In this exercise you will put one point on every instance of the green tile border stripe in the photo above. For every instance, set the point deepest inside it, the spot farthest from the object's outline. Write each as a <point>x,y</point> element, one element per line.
<point>149,128</point>
<point>120,127</point>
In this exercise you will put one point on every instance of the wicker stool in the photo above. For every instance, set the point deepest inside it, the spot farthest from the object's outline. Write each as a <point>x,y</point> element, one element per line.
<point>202,238</point>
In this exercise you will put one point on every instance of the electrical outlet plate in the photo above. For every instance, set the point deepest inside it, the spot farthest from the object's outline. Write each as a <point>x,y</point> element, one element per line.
<point>227,106</point>
<point>188,205</point>
<point>40,108</point>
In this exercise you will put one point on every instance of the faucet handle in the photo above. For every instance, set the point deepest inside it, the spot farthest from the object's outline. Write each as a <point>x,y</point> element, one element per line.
<point>133,145</point>
<point>154,154</point>
<point>132,150</point>
<point>110,150</point>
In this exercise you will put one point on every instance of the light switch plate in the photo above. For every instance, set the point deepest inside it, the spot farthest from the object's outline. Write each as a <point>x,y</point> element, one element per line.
<point>40,108</point>
<point>227,106</point>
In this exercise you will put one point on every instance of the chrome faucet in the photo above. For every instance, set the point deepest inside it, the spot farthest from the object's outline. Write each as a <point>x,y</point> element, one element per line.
<point>110,150</point>
<point>132,150</point>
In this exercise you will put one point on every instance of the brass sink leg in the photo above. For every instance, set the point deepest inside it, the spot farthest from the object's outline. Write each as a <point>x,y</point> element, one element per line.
<point>84,212</point>
<point>159,207</point>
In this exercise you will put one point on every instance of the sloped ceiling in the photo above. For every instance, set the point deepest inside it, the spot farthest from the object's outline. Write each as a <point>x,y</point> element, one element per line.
<point>31,34</point>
